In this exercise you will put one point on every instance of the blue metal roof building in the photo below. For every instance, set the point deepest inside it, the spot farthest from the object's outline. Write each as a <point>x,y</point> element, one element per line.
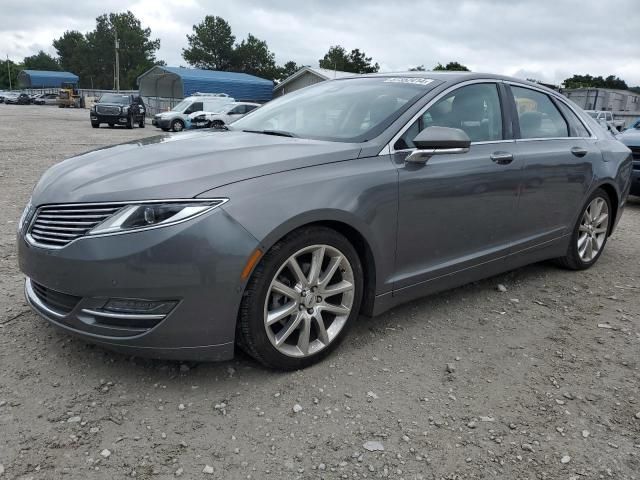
<point>45,78</point>
<point>179,82</point>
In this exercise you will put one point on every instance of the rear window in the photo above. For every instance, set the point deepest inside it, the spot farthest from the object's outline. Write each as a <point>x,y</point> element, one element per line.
<point>576,127</point>
<point>537,115</point>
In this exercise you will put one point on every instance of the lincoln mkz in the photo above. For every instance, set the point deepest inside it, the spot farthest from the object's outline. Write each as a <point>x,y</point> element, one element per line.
<point>344,198</point>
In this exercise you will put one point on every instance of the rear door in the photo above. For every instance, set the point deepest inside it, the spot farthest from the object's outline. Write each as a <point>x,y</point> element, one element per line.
<point>557,156</point>
<point>457,210</point>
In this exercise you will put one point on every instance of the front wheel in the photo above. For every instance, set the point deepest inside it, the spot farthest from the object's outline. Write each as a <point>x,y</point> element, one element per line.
<point>129,123</point>
<point>142,123</point>
<point>177,125</point>
<point>590,233</point>
<point>217,124</point>
<point>95,124</point>
<point>301,299</point>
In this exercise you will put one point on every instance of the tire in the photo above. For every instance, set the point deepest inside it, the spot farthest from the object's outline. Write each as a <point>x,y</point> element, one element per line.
<point>177,125</point>
<point>95,125</point>
<point>142,123</point>
<point>589,234</point>
<point>217,124</point>
<point>313,306</point>
<point>129,123</point>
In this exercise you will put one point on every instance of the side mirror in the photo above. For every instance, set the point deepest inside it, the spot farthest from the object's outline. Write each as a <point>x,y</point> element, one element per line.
<point>438,141</point>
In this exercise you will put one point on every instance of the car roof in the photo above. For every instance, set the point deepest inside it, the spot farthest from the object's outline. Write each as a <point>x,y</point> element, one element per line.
<point>451,77</point>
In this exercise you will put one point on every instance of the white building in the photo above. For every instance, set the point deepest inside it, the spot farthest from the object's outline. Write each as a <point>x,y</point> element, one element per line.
<point>307,76</point>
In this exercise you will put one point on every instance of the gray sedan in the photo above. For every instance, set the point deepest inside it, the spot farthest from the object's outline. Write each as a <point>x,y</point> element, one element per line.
<point>344,198</point>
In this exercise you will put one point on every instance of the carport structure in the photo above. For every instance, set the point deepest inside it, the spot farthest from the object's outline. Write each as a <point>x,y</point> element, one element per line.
<point>179,82</point>
<point>45,78</point>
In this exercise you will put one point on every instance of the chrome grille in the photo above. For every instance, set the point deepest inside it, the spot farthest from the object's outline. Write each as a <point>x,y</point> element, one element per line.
<point>107,110</point>
<point>55,226</point>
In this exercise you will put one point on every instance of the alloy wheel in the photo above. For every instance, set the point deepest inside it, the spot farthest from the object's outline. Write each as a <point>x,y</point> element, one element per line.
<point>309,301</point>
<point>593,228</point>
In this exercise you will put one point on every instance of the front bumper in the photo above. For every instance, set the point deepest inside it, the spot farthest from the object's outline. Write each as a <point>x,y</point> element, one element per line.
<point>97,118</point>
<point>161,122</point>
<point>197,263</point>
<point>635,178</point>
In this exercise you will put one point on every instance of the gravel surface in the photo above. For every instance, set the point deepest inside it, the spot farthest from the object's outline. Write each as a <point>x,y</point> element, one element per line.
<point>530,375</point>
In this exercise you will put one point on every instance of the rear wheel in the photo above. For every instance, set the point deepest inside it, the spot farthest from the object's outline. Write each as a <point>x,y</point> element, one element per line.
<point>590,233</point>
<point>301,299</point>
<point>177,125</point>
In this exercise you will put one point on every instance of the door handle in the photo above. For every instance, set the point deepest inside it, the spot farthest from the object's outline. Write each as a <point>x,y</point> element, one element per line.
<point>579,151</point>
<point>502,158</point>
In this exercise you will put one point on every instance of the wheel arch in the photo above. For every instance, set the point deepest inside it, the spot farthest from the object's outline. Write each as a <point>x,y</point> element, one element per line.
<point>354,233</point>
<point>614,198</point>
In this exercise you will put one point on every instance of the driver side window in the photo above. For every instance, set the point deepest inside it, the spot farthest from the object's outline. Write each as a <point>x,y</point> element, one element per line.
<point>475,109</point>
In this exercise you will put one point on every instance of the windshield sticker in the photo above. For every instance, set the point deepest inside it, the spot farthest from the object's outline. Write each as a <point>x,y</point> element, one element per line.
<point>415,81</point>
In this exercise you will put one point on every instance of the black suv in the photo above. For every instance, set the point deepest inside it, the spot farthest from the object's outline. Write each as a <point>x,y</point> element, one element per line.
<point>116,108</point>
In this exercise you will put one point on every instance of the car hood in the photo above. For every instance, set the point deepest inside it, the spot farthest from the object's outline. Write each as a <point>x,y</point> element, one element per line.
<point>180,166</point>
<point>630,138</point>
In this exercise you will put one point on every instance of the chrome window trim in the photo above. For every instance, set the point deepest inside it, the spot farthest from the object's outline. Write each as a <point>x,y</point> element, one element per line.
<point>388,148</point>
<point>33,242</point>
<point>560,99</point>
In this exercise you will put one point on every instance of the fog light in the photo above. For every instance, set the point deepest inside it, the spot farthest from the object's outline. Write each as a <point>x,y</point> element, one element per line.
<point>126,305</point>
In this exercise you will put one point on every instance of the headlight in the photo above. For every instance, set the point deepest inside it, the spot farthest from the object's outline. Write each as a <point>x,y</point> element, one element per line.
<point>143,216</point>
<point>125,109</point>
<point>23,218</point>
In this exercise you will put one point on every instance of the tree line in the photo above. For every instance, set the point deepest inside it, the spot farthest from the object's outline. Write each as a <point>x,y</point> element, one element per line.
<point>211,45</point>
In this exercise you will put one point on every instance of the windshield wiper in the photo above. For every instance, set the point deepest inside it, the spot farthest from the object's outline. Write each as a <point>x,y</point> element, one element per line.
<point>279,133</point>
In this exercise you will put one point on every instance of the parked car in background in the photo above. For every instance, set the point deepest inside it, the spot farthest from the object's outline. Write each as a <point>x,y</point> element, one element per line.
<point>18,99</point>
<point>176,118</point>
<point>634,124</point>
<point>225,115</point>
<point>606,118</point>
<point>631,138</point>
<point>349,196</point>
<point>46,99</point>
<point>118,109</point>
<point>3,94</point>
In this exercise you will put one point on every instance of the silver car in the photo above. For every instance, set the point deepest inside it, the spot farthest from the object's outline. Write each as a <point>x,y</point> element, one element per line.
<point>344,198</point>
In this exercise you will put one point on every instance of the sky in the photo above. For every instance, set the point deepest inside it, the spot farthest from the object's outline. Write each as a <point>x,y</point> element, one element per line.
<point>548,40</point>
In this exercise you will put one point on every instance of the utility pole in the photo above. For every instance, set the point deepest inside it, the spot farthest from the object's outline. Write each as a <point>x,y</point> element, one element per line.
<point>117,82</point>
<point>9,70</point>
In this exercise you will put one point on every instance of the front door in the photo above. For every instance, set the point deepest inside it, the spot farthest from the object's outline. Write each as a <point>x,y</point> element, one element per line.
<point>457,210</point>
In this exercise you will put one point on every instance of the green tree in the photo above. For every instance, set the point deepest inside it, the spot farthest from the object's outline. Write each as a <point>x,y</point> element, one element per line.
<point>355,61</point>
<point>588,81</point>
<point>92,56</point>
<point>419,68</point>
<point>73,54</point>
<point>288,69</point>
<point>451,66</point>
<point>211,45</point>
<point>7,66</point>
<point>253,56</point>
<point>41,61</point>
<point>137,50</point>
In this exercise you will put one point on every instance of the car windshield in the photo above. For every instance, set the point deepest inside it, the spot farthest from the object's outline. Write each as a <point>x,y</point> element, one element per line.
<point>114,98</point>
<point>349,110</point>
<point>182,106</point>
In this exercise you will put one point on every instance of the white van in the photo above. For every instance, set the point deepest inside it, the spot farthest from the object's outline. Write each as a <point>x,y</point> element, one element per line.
<point>176,118</point>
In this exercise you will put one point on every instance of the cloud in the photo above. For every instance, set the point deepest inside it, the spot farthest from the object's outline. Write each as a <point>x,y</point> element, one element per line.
<point>544,39</point>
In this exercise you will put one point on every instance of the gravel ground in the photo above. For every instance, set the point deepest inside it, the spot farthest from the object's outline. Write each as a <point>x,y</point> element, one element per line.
<point>536,380</point>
